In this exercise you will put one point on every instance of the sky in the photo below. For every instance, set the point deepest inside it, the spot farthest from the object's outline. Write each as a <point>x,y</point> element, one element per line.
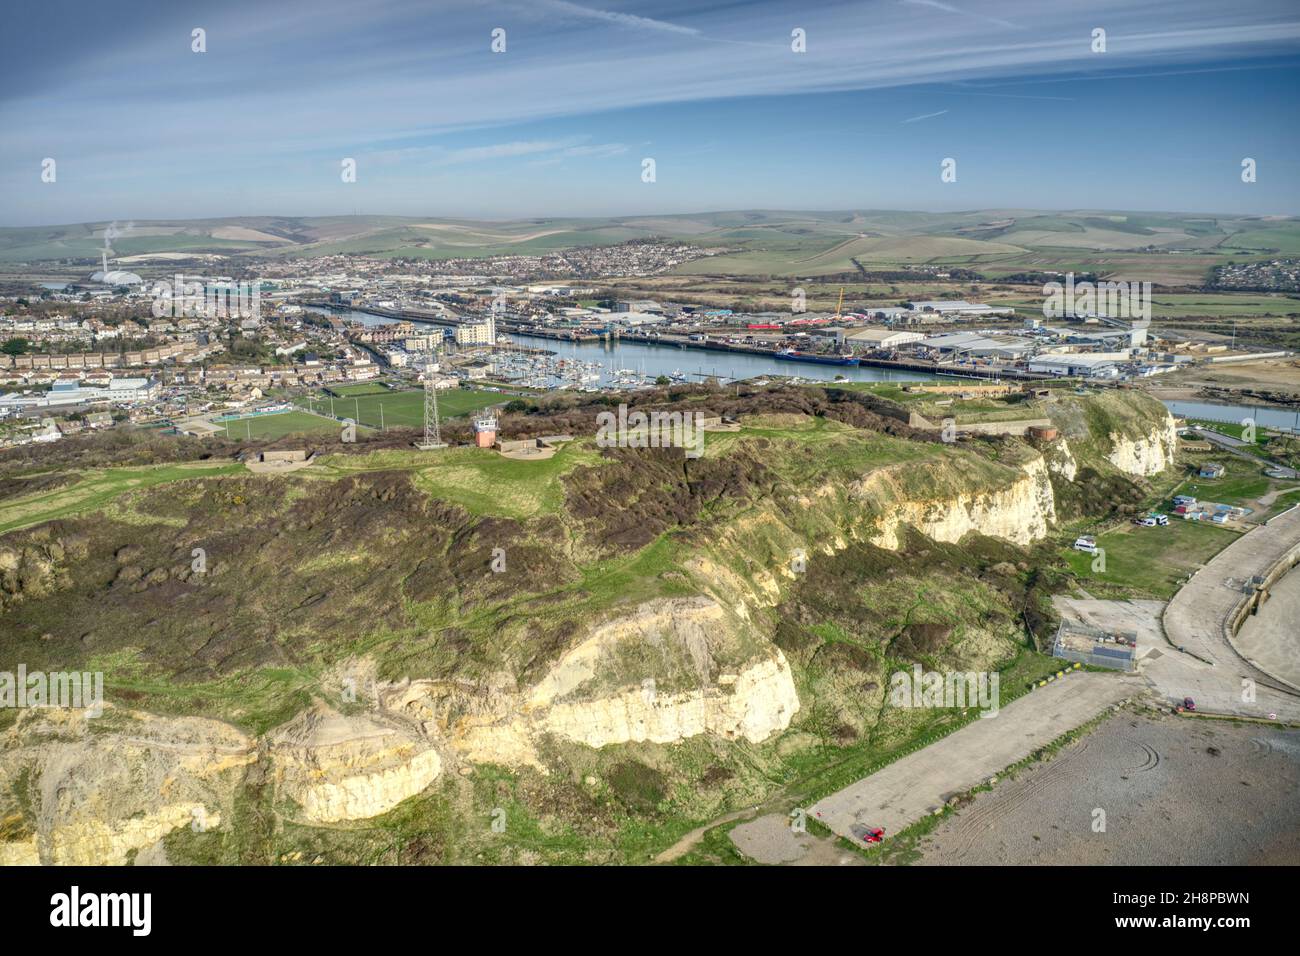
<point>560,122</point>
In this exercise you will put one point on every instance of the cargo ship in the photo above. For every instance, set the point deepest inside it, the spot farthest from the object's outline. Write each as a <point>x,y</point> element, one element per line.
<point>794,355</point>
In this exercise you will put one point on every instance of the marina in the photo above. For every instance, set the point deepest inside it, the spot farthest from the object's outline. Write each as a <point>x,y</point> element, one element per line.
<point>620,363</point>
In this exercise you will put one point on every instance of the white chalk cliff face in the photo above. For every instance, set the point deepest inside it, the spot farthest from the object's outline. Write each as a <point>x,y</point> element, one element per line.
<point>752,703</point>
<point>1145,456</point>
<point>1062,462</point>
<point>101,792</point>
<point>1019,512</point>
<point>349,768</point>
<point>589,697</point>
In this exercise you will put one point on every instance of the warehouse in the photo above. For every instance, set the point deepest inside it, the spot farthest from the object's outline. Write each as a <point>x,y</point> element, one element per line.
<point>958,307</point>
<point>977,345</point>
<point>883,338</point>
<point>1085,365</point>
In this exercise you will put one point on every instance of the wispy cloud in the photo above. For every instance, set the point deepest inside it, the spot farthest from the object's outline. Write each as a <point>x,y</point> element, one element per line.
<point>551,150</point>
<point>629,20</point>
<point>924,116</point>
<point>949,8</point>
<point>412,85</point>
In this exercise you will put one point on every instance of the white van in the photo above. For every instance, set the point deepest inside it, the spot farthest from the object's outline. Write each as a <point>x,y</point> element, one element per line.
<point>1086,543</point>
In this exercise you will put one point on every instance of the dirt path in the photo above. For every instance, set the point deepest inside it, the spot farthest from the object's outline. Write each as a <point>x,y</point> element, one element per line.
<point>1266,500</point>
<point>688,842</point>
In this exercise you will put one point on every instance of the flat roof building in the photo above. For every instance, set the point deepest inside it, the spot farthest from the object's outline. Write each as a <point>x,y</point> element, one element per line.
<point>883,338</point>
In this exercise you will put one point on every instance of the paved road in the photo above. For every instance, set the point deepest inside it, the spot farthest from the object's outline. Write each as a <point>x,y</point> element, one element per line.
<point>1198,616</point>
<point>1271,636</point>
<point>908,789</point>
<point>1238,448</point>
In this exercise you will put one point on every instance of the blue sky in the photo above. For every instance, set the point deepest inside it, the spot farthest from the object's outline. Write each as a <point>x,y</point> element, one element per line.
<point>558,124</point>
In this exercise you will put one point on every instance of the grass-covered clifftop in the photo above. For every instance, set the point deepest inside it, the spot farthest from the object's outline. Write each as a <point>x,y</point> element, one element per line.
<point>458,567</point>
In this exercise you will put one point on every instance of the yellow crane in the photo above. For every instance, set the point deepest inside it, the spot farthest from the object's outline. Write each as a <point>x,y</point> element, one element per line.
<point>839,306</point>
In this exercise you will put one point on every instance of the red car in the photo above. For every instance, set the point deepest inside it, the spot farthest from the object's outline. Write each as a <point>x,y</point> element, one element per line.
<point>873,835</point>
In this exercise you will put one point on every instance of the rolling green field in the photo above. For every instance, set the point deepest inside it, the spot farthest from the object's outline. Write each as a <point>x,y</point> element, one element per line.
<point>1166,247</point>
<point>97,488</point>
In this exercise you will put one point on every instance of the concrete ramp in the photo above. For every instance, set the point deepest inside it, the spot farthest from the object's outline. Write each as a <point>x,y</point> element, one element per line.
<point>916,785</point>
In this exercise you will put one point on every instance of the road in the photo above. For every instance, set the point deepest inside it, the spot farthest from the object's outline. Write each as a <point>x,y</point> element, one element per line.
<point>916,785</point>
<point>1199,618</point>
<point>1237,447</point>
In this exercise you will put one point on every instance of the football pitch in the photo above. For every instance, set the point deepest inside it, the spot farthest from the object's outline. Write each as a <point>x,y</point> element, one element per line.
<point>401,409</point>
<point>277,426</point>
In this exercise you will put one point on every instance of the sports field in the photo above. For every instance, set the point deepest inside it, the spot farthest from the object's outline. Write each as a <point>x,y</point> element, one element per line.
<point>279,425</point>
<point>401,409</point>
<point>359,388</point>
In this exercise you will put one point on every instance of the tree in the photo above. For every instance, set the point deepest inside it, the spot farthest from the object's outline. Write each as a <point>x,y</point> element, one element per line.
<point>15,346</point>
<point>663,380</point>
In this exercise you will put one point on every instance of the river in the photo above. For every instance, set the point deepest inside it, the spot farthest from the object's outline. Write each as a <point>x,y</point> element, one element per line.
<point>655,360</point>
<point>1283,419</point>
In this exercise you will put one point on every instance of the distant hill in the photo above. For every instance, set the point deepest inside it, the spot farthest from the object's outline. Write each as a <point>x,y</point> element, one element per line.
<point>997,241</point>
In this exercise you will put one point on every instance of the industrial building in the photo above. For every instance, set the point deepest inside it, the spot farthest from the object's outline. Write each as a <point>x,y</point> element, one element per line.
<point>1008,348</point>
<point>1086,365</point>
<point>883,338</point>
<point>70,392</point>
<point>958,307</point>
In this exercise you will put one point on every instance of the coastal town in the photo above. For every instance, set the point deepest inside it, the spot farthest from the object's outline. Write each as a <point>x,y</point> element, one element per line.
<point>99,351</point>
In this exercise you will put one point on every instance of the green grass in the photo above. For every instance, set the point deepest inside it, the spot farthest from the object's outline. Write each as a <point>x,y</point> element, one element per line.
<point>360,388</point>
<point>402,409</point>
<point>1149,562</point>
<point>482,481</point>
<point>278,425</point>
<point>1227,428</point>
<point>97,488</point>
<point>1242,482</point>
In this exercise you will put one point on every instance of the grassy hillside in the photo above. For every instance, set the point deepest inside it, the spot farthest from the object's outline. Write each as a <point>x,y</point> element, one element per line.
<point>781,243</point>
